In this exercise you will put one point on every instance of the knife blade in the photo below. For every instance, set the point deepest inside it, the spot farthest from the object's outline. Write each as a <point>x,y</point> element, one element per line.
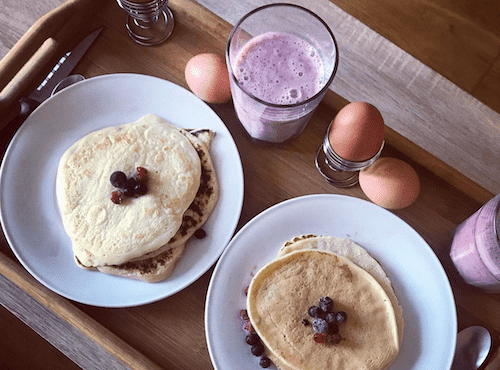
<point>61,70</point>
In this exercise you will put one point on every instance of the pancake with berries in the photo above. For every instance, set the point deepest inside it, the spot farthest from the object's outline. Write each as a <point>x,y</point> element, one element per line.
<point>113,223</point>
<point>289,306</point>
<point>159,264</point>
<point>356,254</point>
<point>206,197</point>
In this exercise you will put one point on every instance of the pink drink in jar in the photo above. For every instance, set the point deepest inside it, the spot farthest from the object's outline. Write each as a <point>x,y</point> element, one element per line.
<point>475,249</point>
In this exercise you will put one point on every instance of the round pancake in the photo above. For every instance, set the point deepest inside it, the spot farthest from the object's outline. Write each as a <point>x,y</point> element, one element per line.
<point>356,254</point>
<point>159,265</point>
<point>282,291</point>
<point>206,197</point>
<point>152,270</point>
<point>104,233</point>
<point>208,193</point>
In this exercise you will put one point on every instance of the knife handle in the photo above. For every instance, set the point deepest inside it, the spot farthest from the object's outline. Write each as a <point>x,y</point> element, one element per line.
<point>12,92</point>
<point>28,105</point>
<point>41,44</point>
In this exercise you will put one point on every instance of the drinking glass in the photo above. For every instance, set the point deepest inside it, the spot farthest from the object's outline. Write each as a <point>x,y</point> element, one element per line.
<point>267,119</point>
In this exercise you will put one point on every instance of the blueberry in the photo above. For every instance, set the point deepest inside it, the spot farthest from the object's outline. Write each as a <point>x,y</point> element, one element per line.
<point>315,311</point>
<point>265,362</point>
<point>257,349</point>
<point>320,325</point>
<point>340,317</point>
<point>326,304</point>
<point>140,188</point>
<point>330,317</point>
<point>200,234</point>
<point>252,338</point>
<point>118,179</point>
<point>129,186</point>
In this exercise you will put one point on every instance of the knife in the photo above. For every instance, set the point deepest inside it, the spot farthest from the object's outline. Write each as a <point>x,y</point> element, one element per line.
<point>61,70</point>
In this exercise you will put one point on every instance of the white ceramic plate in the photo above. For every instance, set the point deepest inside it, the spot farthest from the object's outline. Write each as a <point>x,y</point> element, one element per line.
<point>417,275</point>
<point>29,211</point>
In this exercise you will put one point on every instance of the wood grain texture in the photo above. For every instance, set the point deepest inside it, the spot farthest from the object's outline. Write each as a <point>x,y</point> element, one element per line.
<point>18,16</point>
<point>30,60</point>
<point>76,335</point>
<point>488,88</point>
<point>170,332</point>
<point>17,340</point>
<point>458,39</point>
<point>416,102</point>
<point>458,134</point>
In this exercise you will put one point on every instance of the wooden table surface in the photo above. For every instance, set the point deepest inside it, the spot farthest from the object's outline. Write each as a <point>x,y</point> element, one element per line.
<point>456,43</point>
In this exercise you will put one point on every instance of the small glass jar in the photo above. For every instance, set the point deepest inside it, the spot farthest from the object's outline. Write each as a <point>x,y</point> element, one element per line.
<point>336,170</point>
<point>475,249</point>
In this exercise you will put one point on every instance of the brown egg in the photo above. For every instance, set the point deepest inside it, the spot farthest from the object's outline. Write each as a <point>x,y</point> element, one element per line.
<point>357,132</point>
<point>207,77</point>
<point>390,183</point>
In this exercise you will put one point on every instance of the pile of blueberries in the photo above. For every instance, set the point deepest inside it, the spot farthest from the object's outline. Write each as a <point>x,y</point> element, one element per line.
<point>133,186</point>
<point>253,339</point>
<point>326,321</point>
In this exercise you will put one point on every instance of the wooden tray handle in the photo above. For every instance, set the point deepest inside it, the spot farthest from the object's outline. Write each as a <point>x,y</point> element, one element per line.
<point>57,313</point>
<point>37,51</point>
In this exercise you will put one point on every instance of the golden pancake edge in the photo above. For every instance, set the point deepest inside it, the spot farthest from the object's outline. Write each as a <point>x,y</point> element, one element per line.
<point>283,290</point>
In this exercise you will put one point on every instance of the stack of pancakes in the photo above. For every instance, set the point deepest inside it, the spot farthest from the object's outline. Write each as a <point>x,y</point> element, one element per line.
<point>143,237</point>
<point>306,269</point>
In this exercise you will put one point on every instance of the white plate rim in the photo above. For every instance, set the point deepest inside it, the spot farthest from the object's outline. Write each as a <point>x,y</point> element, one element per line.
<point>214,321</point>
<point>134,95</point>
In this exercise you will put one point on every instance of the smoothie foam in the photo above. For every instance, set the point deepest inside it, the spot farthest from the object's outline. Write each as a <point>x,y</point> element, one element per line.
<point>279,73</point>
<point>279,68</point>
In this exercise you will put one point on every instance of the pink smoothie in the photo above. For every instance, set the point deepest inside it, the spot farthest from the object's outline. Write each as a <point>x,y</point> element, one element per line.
<point>475,249</point>
<point>282,69</point>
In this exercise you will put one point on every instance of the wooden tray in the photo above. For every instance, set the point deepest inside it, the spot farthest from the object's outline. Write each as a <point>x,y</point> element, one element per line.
<point>170,333</point>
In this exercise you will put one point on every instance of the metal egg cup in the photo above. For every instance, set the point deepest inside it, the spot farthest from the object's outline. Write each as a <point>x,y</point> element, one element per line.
<point>148,23</point>
<point>338,171</point>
